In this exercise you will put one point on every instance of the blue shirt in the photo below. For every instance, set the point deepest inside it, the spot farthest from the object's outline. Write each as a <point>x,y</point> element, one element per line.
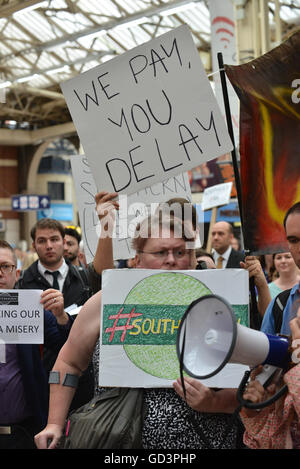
<point>289,313</point>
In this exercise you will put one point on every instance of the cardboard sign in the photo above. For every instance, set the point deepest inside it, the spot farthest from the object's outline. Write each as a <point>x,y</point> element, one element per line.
<point>217,195</point>
<point>21,317</point>
<point>140,319</point>
<point>147,115</point>
<point>132,209</point>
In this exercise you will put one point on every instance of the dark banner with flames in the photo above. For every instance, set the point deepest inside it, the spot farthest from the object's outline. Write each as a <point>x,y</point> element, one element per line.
<point>269,92</point>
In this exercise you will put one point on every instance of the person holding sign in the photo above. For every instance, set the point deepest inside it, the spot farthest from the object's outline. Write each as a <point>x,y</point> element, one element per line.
<point>23,381</point>
<point>166,423</point>
<point>72,288</point>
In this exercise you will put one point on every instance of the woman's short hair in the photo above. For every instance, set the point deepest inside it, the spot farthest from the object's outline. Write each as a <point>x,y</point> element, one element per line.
<point>152,226</point>
<point>180,207</point>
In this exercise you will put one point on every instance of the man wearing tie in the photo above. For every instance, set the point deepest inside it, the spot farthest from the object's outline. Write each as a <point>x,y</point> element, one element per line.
<point>224,256</point>
<point>51,270</point>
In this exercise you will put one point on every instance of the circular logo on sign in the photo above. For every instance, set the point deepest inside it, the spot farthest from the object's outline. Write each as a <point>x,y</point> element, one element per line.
<point>168,294</point>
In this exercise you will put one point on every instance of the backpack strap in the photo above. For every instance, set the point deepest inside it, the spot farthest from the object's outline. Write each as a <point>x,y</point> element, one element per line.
<point>278,307</point>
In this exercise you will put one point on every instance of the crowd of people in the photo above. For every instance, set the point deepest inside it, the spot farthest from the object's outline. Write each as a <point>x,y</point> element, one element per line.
<point>42,385</point>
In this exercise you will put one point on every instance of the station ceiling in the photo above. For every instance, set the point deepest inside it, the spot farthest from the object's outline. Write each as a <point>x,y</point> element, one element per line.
<point>45,43</point>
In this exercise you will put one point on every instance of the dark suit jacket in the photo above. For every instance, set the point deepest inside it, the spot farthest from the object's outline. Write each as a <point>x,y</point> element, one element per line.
<point>234,259</point>
<point>75,290</point>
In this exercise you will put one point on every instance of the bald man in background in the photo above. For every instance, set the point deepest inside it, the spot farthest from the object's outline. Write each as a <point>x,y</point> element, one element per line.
<point>225,256</point>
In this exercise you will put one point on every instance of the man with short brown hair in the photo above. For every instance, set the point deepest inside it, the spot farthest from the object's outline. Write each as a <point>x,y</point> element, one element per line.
<point>51,269</point>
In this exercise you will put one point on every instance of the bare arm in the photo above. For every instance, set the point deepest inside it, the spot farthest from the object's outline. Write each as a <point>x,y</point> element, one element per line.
<point>106,206</point>
<point>73,358</point>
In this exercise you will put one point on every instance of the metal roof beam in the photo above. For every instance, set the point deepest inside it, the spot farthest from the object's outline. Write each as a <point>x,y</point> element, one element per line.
<point>36,91</point>
<point>81,60</point>
<point>12,7</point>
<point>34,137</point>
<point>154,10</point>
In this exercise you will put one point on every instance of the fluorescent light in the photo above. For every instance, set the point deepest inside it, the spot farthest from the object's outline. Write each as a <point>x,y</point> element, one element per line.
<point>64,68</point>
<point>172,11</point>
<point>30,8</point>
<point>131,23</point>
<point>5,84</point>
<point>28,78</point>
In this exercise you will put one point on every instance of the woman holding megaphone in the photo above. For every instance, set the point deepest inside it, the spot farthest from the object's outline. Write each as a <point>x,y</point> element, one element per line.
<point>278,425</point>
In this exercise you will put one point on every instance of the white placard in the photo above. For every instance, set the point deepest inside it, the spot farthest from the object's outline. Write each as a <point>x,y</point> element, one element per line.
<point>21,317</point>
<point>147,115</point>
<point>132,209</point>
<point>138,332</point>
<point>217,195</point>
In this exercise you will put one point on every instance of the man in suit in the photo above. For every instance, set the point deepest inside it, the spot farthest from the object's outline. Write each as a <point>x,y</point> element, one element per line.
<point>225,256</point>
<point>23,380</point>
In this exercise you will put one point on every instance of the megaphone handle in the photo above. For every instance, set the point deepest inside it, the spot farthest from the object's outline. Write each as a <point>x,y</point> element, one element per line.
<point>252,405</point>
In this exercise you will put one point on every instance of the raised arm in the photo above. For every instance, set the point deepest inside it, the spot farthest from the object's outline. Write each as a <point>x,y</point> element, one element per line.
<point>106,205</point>
<point>73,359</point>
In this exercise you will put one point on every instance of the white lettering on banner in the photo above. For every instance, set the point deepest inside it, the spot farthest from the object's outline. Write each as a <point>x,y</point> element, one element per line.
<point>147,115</point>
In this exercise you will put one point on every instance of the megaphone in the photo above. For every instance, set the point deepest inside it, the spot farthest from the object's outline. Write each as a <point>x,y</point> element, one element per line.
<point>209,337</point>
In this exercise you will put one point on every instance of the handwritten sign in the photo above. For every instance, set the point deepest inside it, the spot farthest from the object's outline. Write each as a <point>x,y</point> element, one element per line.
<point>140,320</point>
<point>21,317</point>
<point>217,195</point>
<point>132,209</point>
<point>147,115</point>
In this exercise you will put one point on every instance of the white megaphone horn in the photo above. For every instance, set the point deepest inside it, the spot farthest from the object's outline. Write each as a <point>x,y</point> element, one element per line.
<point>209,337</point>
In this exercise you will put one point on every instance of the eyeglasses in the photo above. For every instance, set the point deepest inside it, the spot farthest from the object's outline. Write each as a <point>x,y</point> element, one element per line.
<point>7,268</point>
<point>163,254</point>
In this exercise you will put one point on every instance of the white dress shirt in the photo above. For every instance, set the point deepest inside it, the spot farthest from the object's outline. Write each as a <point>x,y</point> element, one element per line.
<point>63,272</point>
<point>225,256</point>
